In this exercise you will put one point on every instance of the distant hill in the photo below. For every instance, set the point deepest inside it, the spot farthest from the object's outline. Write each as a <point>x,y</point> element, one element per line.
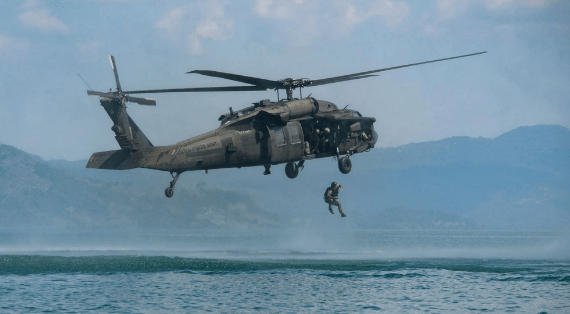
<point>517,181</point>
<point>36,194</point>
<point>543,147</point>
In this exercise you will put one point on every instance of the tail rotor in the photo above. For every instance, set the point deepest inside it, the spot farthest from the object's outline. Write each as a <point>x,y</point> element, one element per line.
<point>119,94</point>
<point>127,133</point>
<point>114,67</point>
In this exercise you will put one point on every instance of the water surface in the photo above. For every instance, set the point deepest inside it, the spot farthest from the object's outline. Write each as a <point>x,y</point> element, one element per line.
<point>270,271</point>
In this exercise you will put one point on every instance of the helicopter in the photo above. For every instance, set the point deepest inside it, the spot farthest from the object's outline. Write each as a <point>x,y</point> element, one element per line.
<point>290,130</point>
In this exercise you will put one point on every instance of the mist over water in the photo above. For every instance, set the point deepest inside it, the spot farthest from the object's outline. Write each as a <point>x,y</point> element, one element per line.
<point>260,244</point>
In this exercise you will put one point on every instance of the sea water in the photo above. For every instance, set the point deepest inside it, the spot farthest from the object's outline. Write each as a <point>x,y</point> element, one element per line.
<point>287,271</point>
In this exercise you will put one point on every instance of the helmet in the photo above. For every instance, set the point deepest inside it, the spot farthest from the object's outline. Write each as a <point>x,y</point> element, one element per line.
<point>333,184</point>
<point>317,131</point>
<point>327,130</point>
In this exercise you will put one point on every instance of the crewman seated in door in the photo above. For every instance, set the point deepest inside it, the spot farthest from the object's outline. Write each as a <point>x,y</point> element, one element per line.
<point>325,140</point>
<point>314,141</point>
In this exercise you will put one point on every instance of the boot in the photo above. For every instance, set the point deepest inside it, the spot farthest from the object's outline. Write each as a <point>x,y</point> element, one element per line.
<point>340,211</point>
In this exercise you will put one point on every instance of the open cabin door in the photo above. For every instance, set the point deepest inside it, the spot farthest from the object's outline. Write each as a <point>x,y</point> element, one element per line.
<point>286,142</point>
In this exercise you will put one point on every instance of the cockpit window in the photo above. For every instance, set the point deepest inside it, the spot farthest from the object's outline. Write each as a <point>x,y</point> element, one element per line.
<point>356,114</point>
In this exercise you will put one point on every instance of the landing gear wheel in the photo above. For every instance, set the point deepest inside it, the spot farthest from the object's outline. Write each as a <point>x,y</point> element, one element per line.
<point>170,190</point>
<point>291,170</point>
<point>344,165</point>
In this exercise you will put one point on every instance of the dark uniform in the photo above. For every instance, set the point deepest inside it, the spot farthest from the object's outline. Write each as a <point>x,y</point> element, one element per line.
<point>331,197</point>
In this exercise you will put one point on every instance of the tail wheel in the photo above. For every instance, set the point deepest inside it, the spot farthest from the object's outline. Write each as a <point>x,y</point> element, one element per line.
<point>291,170</point>
<point>169,192</point>
<point>344,165</point>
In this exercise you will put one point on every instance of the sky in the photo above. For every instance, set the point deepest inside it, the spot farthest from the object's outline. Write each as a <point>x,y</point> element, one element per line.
<point>522,80</point>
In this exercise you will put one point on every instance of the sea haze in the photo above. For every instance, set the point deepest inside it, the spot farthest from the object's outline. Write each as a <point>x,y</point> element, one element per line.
<point>260,245</point>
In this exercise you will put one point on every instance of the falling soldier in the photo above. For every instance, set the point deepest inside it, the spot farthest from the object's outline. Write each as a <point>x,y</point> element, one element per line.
<point>331,198</point>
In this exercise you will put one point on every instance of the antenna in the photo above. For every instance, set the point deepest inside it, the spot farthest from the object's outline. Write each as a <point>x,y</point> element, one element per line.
<point>85,82</point>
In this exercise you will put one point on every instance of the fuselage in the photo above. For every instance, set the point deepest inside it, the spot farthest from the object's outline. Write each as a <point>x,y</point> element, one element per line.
<point>266,134</point>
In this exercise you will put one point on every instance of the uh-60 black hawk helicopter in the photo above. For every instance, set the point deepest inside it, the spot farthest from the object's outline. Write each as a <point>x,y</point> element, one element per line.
<point>290,130</point>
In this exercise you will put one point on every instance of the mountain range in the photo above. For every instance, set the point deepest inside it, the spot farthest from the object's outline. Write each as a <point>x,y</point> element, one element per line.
<point>519,180</point>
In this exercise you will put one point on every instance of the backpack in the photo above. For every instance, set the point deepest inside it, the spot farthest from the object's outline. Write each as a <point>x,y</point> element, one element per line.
<point>326,196</point>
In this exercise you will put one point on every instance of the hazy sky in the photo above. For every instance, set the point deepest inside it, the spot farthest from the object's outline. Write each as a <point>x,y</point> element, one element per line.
<point>524,79</point>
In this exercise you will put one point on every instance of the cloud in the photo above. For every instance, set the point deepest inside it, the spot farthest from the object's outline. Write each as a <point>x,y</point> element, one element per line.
<point>41,19</point>
<point>13,48</point>
<point>326,18</point>
<point>171,20</point>
<point>504,4</point>
<point>89,47</point>
<point>193,24</point>
<point>443,18</point>
<point>393,12</point>
<point>281,10</point>
<point>454,8</point>
<point>350,12</point>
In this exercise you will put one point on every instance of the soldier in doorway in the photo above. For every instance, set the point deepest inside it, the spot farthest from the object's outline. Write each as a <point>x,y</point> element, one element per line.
<point>325,140</point>
<point>314,140</point>
<point>331,197</point>
<point>307,149</point>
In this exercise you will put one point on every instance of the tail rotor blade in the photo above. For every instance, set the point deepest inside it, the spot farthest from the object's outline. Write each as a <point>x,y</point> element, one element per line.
<point>100,94</point>
<point>142,101</point>
<point>114,66</point>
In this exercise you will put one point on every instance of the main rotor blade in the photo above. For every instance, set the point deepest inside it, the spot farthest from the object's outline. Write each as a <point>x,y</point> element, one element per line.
<point>198,89</point>
<point>342,80</point>
<point>360,74</point>
<point>239,78</point>
<point>114,66</point>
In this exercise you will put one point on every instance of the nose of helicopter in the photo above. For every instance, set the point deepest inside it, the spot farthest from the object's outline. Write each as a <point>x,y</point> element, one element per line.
<point>374,137</point>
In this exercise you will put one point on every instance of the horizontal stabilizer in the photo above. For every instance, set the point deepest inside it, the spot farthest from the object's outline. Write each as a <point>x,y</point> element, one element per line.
<point>114,159</point>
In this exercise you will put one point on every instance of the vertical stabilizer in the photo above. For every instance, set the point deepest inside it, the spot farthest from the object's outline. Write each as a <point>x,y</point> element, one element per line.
<point>127,133</point>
